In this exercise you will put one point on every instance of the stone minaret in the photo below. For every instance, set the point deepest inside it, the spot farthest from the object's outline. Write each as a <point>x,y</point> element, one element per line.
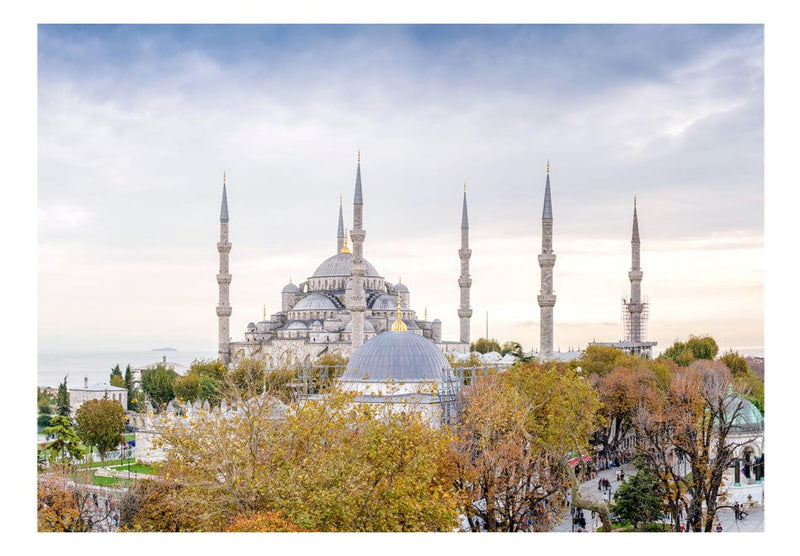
<point>357,303</point>
<point>340,232</point>
<point>464,280</point>
<point>224,280</point>
<point>635,305</point>
<point>547,260</point>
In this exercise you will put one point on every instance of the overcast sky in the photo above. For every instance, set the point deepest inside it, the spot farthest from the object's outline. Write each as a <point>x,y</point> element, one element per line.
<point>138,123</point>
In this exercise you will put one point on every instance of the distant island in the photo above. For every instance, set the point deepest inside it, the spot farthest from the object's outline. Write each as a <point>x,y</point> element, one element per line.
<point>164,349</point>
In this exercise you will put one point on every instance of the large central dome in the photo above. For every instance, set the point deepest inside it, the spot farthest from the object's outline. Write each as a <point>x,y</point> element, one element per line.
<point>339,265</point>
<point>398,357</point>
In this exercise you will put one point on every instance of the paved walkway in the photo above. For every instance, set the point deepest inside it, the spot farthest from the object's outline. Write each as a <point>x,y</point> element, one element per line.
<point>754,522</point>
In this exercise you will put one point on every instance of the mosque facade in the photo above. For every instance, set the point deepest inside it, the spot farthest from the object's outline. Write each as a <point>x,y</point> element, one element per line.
<point>342,304</point>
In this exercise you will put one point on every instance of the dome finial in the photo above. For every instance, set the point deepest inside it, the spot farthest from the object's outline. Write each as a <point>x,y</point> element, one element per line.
<point>399,325</point>
<point>290,279</point>
<point>264,315</point>
<point>345,249</point>
<point>465,187</point>
<point>426,313</point>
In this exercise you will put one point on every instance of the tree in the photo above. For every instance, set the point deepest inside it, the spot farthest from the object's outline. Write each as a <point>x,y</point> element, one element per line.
<point>187,387</point>
<point>735,363</point>
<point>514,348</point>
<point>132,392</point>
<point>327,465</point>
<point>697,347</point>
<point>118,381</point>
<point>157,384</point>
<point>65,506</point>
<point>272,522</point>
<point>601,360</point>
<point>639,499</point>
<point>115,372</point>
<point>513,439</point>
<point>215,368</point>
<point>691,421</point>
<point>484,345</point>
<point>209,389</point>
<point>100,423</point>
<point>65,445</point>
<point>62,400</point>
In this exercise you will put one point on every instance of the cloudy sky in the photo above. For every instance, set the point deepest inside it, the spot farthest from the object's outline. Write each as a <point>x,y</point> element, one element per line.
<point>136,125</point>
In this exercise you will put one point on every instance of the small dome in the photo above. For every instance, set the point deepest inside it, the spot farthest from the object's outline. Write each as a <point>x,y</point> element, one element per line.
<point>436,320</point>
<point>367,326</point>
<point>747,416</point>
<point>251,326</point>
<point>384,302</point>
<point>399,357</point>
<point>290,288</point>
<point>314,302</point>
<point>339,265</point>
<point>297,325</point>
<point>400,287</point>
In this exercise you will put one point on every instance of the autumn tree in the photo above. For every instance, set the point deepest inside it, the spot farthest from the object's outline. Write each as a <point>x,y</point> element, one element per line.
<point>327,465</point>
<point>100,423</point>
<point>187,388</point>
<point>64,506</point>
<point>513,348</point>
<point>214,368</point>
<point>691,420</point>
<point>601,360</point>
<point>157,384</point>
<point>513,439</point>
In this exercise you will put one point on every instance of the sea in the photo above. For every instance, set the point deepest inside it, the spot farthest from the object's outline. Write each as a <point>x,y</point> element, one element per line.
<point>53,366</point>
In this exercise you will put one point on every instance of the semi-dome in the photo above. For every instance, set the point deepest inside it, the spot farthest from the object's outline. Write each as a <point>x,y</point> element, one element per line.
<point>297,325</point>
<point>398,357</point>
<point>315,302</point>
<point>290,288</point>
<point>339,265</point>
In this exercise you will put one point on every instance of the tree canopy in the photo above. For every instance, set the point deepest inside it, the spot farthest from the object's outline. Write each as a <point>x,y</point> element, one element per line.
<point>157,383</point>
<point>62,400</point>
<point>484,345</point>
<point>100,423</point>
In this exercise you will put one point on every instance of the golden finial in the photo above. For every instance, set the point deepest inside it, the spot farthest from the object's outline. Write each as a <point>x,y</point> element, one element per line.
<point>340,199</point>
<point>399,279</point>
<point>290,279</point>
<point>634,201</point>
<point>426,313</point>
<point>465,187</point>
<point>399,325</point>
<point>359,156</point>
<point>345,249</point>
<point>224,178</point>
<point>548,167</point>
<point>264,316</point>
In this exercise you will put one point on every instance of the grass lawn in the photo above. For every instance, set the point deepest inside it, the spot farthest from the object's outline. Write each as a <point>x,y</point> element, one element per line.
<point>108,481</point>
<point>135,468</point>
<point>109,463</point>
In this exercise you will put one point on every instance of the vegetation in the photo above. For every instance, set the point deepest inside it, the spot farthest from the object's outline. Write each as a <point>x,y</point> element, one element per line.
<point>697,347</point>
<point>639,499</point>
<point>157,384</point>
<point>484,345</point>
<point>100,424</point>
<point>66,444</point>
<point>62,400</point>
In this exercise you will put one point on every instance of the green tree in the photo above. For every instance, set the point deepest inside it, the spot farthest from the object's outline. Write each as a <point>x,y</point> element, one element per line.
<point>601,360</point>
<point>696,347</point>
<point>210,390</point>
<point>249,375</point>
<point>65,445</point>
<point>115,372</point>
<point>117,381</point>
<point>157,384</point>
<point>639,499</point>
<point>132,392</point>
<point>215,369</point>
<point>62,400</point>
<point>512,347</point>
<point>100,423</point>
<point>187,387</point>
<point>484,345</point>
<point>736,363</point>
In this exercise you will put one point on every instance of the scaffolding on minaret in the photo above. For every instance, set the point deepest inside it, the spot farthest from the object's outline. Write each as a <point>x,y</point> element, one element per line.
<point>629,329</point>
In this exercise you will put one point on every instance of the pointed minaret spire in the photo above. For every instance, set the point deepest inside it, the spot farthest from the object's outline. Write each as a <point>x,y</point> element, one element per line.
<point>224,280</point>
<point>223,213</point>
<point>635,235</point>
<point>464,279</point>
<point>340,230</point>
<point>358,199</point>
<point>635,306</point>
<point>547,260</point>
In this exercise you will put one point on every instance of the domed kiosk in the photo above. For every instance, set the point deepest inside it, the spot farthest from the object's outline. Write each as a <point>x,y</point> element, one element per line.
<point>402,368</point>
<point>744,482</point>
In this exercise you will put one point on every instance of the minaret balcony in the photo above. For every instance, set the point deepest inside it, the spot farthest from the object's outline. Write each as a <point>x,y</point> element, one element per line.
<point>223,279</point>
<point>547,259</point>
<point>224,311</point>
<point>464,282</point>
<point>635,275</point>
<point>546,300</point>
<point>465,313</point>
<point>464,253</point>
<point>223,247</point>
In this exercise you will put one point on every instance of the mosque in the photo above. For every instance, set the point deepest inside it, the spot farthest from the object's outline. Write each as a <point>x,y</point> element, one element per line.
<point>343,304</point>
